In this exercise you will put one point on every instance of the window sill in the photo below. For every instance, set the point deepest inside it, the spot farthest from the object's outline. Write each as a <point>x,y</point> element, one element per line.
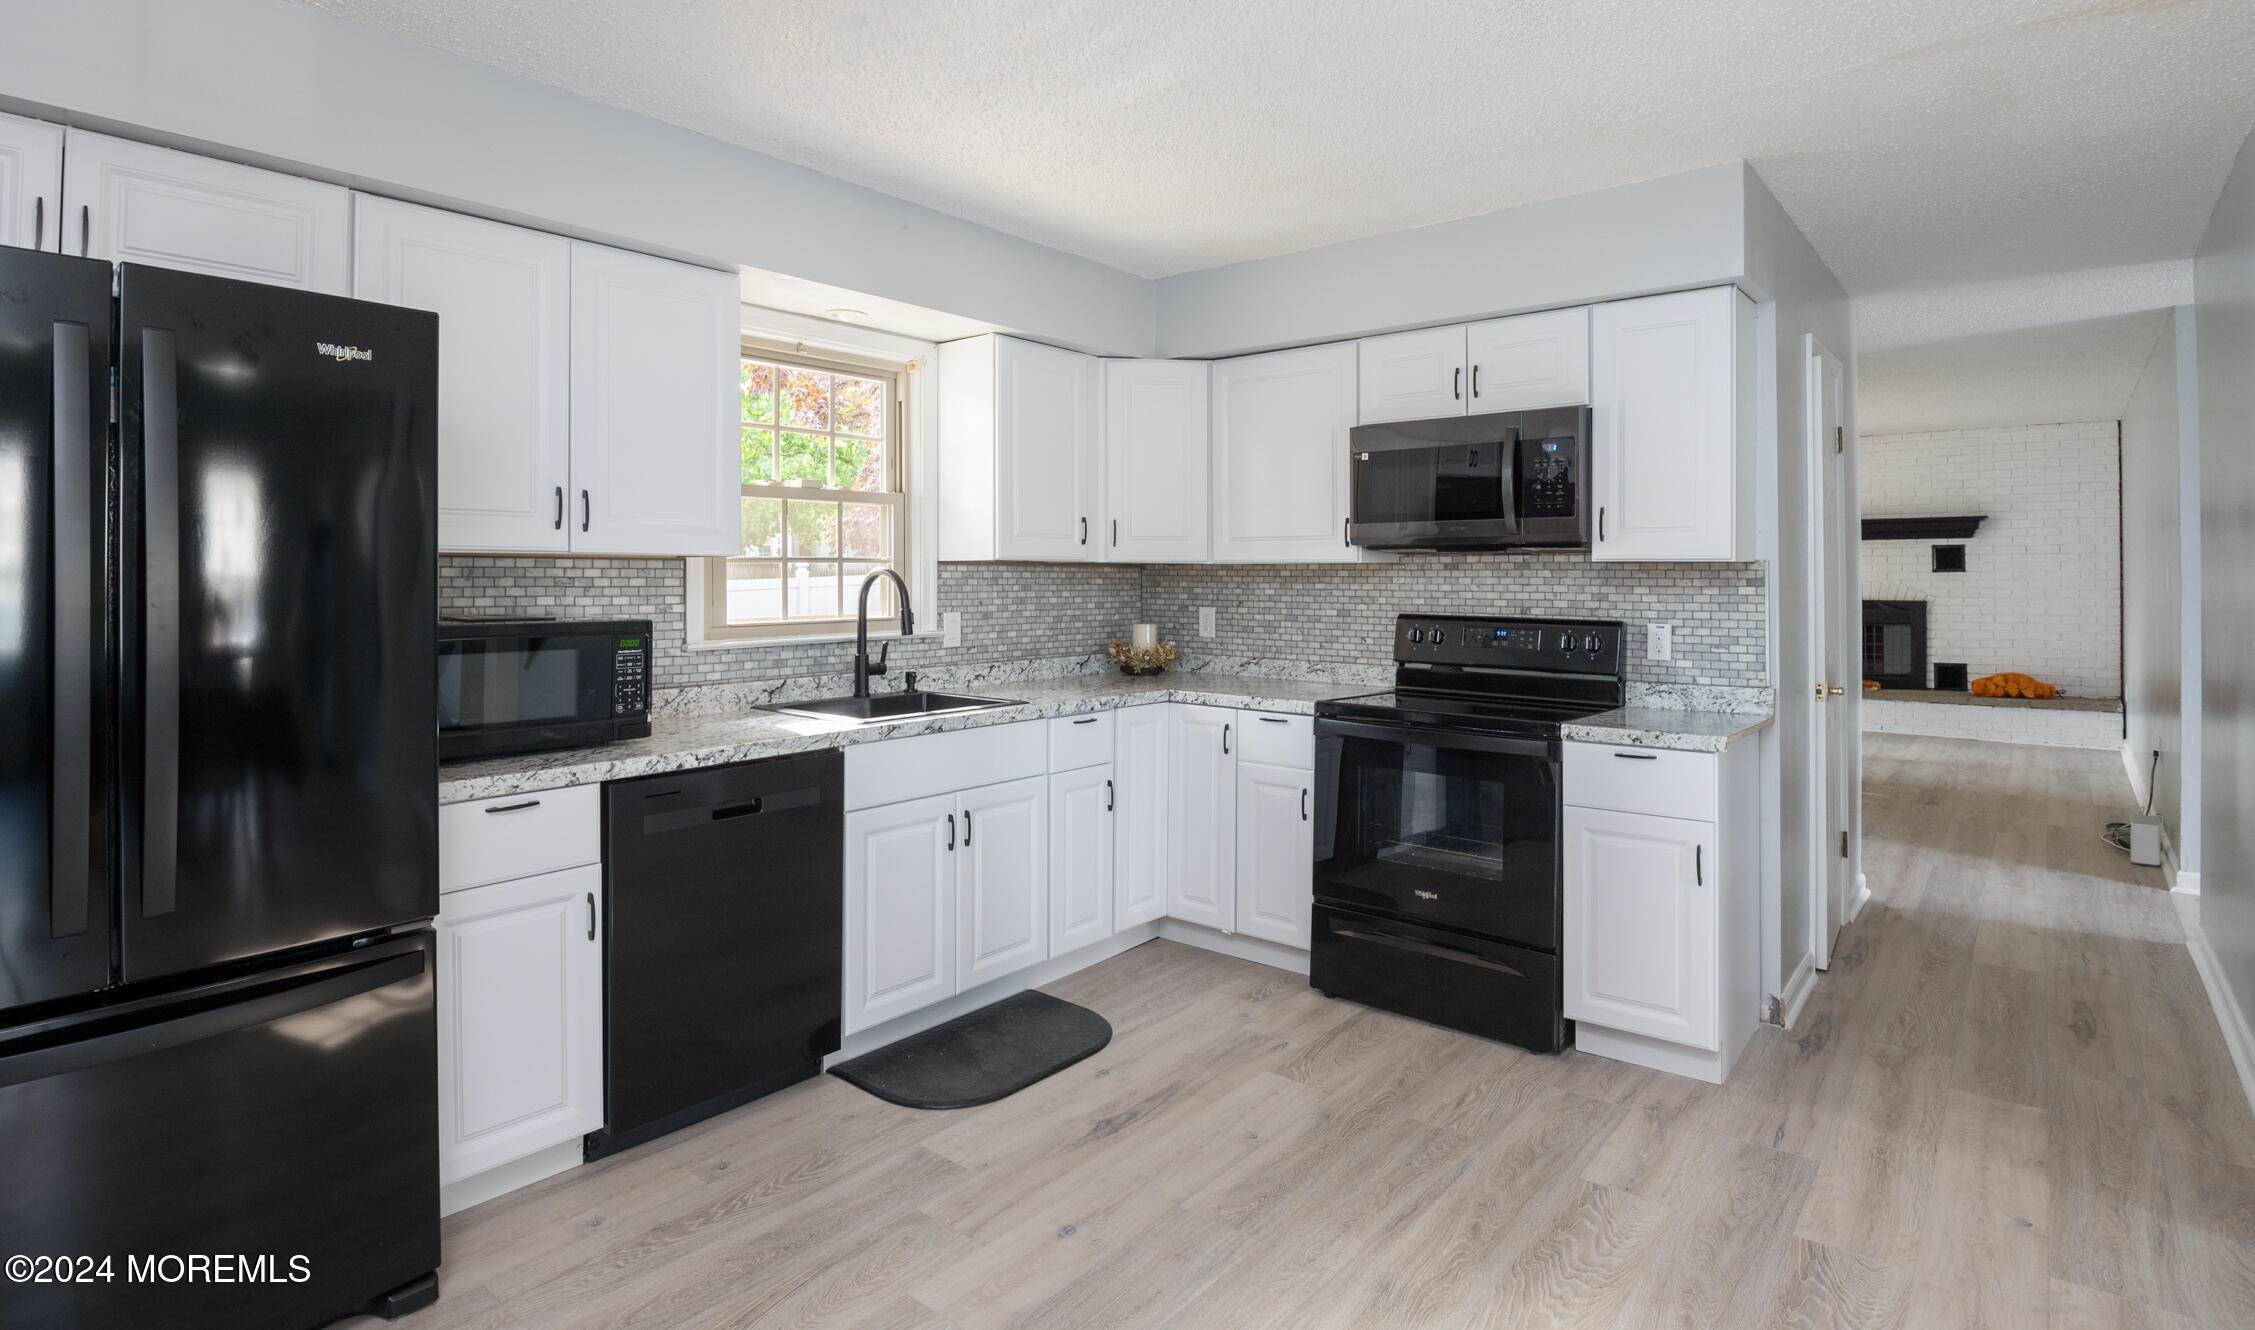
<point>809,639</point>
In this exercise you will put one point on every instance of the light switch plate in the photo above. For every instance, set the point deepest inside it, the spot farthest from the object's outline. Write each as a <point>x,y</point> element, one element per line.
<point>1205,621</point>
<point>951,628</point>
<point>1659,641</point>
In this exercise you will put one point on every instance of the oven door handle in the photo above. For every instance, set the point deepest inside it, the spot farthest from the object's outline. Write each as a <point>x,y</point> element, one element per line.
<point>1425,949</point>
<point>1450,739</point>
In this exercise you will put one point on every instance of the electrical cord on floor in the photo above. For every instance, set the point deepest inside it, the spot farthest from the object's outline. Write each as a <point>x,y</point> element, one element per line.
<point>2117,834</point>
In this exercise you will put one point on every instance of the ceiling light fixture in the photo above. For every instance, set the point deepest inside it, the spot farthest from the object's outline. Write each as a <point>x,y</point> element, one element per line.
<point>847,315</point>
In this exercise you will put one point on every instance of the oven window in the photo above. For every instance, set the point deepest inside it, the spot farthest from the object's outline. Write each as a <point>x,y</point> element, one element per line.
<point>1448,836</point>
<point>480,686</point>
<point>1458,482</point>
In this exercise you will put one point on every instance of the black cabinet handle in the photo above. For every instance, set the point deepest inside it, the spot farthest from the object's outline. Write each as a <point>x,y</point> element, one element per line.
<point>77,640</point>
<point>513,808</point>
<point>559,507</point>
<point>591,916</point>
<point>586,510</point>
<point>1475,381</point>
<point>1345,524</point>
<point>1456,385</point>
<point>85,230</point>
<point>1085,720</point>
<point>1084,531</point>
<point>1601,524</point>
<point>1274,720</point>
<point>966,828</point>
<point>1303,805</point>
<point>1639,757</point>
<point>1115,533</point>
<point>951,831</point>
<point>39,222</point>
<point>1108,803</point>
<point>1699,864</point>
<point>1225,740</point>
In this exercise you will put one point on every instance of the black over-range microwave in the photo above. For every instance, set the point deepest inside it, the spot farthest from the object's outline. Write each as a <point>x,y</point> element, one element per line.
<point>1487,482</point>
<point>531,685</point>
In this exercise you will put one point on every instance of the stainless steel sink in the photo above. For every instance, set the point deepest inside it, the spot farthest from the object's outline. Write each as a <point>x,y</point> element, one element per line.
<point>892,706</point>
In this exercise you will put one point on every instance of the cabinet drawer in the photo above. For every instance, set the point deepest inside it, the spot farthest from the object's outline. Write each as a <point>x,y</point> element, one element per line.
<point>1284,741</point>
<point>891,770</point>
<point>1628,779</point>
<point>518,835</point>
<point>1080,741</point>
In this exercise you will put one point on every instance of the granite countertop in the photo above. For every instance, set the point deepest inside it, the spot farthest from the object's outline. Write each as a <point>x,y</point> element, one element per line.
<point>1696,731</point>
<point>678,743</point>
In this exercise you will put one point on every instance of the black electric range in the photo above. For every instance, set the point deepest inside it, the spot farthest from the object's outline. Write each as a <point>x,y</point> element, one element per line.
<point>1438,871</point>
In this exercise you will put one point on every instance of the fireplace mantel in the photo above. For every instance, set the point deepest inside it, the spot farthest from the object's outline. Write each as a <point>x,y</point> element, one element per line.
<point>1922,528</point>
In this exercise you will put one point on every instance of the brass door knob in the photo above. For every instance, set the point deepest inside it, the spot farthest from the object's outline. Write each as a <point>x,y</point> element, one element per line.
<point>1836,690</point>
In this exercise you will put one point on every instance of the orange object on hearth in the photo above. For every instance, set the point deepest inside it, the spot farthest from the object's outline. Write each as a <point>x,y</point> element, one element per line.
<point>2011,685</point>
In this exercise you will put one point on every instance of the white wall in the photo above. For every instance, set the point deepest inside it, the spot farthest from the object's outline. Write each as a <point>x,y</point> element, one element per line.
<point>279,85</point>
<point>2041,594</point>
<point>2159,448</point>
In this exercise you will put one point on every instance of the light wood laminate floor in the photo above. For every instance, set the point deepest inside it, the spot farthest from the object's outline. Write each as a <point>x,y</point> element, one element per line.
<point>2007,1104</point>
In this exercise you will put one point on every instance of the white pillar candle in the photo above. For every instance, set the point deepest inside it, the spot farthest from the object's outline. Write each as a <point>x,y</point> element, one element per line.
<point>1146,635</point>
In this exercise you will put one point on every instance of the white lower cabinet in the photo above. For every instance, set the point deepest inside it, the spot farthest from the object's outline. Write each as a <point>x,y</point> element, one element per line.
<point>900,908</point>
<point>520,1018</point>
<point>1275,852</point>
<point>1002,880</point>
<point>1083,806</point>
<point>1640,924</point>
<point>1202,815</point>
<point>1139,834</point>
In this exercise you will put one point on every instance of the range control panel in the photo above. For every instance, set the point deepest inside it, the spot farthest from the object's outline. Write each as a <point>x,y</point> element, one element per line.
<point>1580,646</point>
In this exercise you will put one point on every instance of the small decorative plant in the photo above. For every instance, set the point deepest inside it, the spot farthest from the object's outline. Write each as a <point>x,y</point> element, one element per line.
<point>1141,660</point>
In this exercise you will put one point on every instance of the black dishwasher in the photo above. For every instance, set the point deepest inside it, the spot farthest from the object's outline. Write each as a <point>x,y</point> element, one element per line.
<point>721,967</point>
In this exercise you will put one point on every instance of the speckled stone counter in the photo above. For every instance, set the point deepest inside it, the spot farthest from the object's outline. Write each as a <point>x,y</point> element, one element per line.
<point>679,743</point>
<point>1663,727</point>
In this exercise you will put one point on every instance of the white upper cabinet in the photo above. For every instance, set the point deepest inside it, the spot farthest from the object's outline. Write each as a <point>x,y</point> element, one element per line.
<point>132,203</point>
<point>1672,391</point>
<point>1527,361</point>
<point>1412,375</point>
<point>503,297</point>
<point>31,183</point>
<point>1280,423</point>
<point>1155,461</point>
<point>1020,475</point>
<point>656,394</point>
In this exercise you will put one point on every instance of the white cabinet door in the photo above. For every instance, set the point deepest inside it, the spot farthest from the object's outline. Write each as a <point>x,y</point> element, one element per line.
<point>900,908</point>
<point>1412,375</point>
<point>1640,924</point>
<point>1156,471</point>
<point>1528,361</point>
<point>1669,458</point>
<point>1275,852</point>
<point>1140,859</point>
<point>1045,433</point>
<point>503,296</point>
<point>1002,911</point>
<point>132,203</point>
<point>656,394</point>
<point>1083,805</point>
<point>520,1018</point>
<point>1202,816</point>
<point>31,183</point>
<point>1280,424</point>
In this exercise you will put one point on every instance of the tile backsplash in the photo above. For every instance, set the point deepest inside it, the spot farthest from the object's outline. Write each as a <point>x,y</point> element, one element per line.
<point>1332,614</point>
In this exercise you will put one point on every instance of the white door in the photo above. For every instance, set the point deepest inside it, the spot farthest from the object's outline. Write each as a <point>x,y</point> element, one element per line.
<point>1083,805</point>
<point>1663,402</point>
<point>1412,375</point>
<point>1837,672</point>
<point>1275,852</point>
<point>1002,871</point>
<point>520,1018</point>
<point>1202,815</point>
<point>503,296</point>
<point>1156,471</point>
<point>1140,853</point>
<point>1528,361</point>
<point>1280,424</point>
<point>31,183</point>
<point>1640,925</point>
<point>656,400</point>
<point>900,908</point>
<point>132,203</point>
<point>1045,428</point>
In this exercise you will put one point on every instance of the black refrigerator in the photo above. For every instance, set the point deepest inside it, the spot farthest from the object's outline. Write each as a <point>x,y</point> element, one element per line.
<point>218,801</point>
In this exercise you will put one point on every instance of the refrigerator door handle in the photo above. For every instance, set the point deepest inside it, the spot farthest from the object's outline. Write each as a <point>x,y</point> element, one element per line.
<point>73,568</point>
<point>260,1005</point>
<point>160,689</point>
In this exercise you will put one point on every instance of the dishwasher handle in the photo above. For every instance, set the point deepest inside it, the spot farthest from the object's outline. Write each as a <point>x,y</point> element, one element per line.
<point>729,809</point>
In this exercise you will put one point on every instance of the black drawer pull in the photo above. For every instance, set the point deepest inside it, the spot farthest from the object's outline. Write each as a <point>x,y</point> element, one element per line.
<point>745,809</point>
<point>1085,720</point>
<point>514,808</point>
<point>1275,720</point>
<point>1639,757</point>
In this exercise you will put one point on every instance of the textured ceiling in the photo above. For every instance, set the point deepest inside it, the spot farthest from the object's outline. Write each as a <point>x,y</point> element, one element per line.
<point>1921,144</point>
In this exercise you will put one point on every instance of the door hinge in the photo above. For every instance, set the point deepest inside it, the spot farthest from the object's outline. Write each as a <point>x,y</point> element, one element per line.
<point>1843,844</point>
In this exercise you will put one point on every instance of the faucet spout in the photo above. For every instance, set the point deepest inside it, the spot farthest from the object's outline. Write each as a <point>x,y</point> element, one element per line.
<point>863,667</point>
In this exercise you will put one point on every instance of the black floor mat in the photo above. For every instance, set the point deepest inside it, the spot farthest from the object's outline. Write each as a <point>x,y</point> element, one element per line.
<point>991,1053</point>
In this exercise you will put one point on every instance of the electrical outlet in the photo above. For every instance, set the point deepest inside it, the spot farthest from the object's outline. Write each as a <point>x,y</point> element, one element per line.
<point>951,628</point>
<point>1659,641</point>
<point>1205,621</point>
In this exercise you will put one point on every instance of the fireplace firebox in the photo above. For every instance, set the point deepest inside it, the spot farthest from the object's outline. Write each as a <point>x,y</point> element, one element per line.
<point>1894,643</point>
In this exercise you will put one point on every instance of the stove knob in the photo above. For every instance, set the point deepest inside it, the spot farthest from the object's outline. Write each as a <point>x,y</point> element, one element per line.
<point>1565,641</point>
<point>1591,643</point>
<point>1416,635</point>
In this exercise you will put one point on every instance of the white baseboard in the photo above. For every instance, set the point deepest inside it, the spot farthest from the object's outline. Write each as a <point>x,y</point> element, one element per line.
<point>502,1179</point>
<point>1797,990</point>
<point>1244,948</point>
<point>2238,1037</point>
<point>2183,883</point>
<point>1857,902</point>
<point>970,1000</point>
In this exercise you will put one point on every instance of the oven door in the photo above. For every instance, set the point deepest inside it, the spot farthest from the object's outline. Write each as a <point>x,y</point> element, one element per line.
<point>520,692</point>
<point>1442,828</point>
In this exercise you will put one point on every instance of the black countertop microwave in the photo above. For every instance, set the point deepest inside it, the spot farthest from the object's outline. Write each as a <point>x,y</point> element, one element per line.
<point>533,685</point>
<point>1487,482</point>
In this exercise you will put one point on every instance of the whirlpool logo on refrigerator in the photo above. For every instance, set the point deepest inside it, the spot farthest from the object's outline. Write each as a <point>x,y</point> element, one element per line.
<point>335,352</point>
